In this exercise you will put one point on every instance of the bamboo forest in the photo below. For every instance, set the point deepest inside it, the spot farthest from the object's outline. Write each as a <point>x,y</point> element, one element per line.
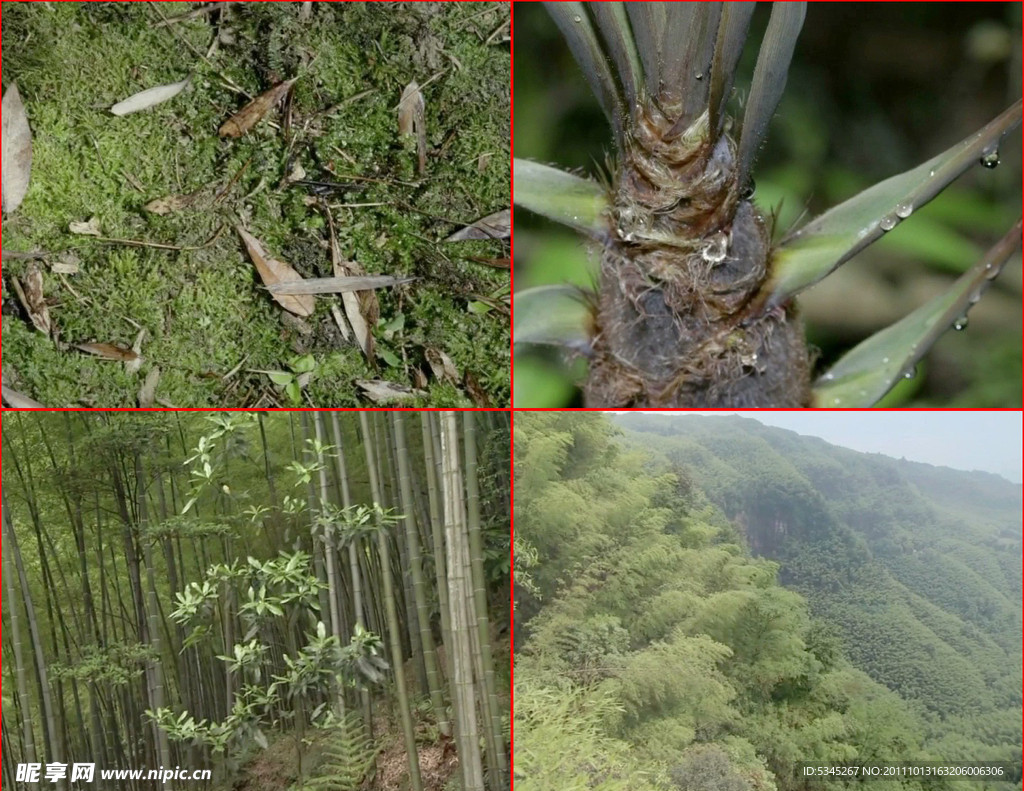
<point>708,603</point>
<point>257,600</point>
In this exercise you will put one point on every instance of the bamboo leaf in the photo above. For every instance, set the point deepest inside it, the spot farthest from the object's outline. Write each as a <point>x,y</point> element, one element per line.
<point>560,196</point>
<point>30,293</point>
<point>493,226</point>
<point>865,373</point>
<point>769,80</point>
<point>613,23</point>
<point>16,400</point>
<point>688,48</point>
<point>250,115</point>
<point>828,241</point>
<point>108,351</point>
<point>648,22</point>
<point>17,150</point>
<point>574,22</point>
<point>273,272</point>
<point>553,316</point>
<point>412,121</point>
<point>732,35</point>
<point>336,285</point>
<point>150,97</point>
<point>379,391</point>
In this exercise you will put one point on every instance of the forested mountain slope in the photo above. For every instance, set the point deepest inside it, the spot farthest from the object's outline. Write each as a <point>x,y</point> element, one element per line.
<point>654,652</point>
<point>917,566</point>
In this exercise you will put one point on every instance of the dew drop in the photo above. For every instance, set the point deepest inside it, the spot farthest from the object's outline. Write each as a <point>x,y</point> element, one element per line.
<point>931,173</point>
<point>910,373</point>
<point>828,377</point>
<point>903,210</point>
<point>975,297</point>
<point>990,158</point>
<point>888,222</point>
<point>700,75</point>
<point>993,272</point>
<point>748,191</point>
<point>577,18</point>
<point>961,323</point>
<point>715,250</point>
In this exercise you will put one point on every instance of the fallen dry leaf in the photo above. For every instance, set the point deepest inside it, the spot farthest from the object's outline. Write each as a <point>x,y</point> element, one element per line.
<point>17,150</point>
<point>362,309</point>
<point>338,285</point>
<point>16,400</point>
<point>250,115</point>
<point>91,228</point>
<point>30,294</point>
<point>147,393</point>
<point>69,264</point>
<point>412,120</point>
<point>172,204</point>
<point>476,392</point>
<point>273,272</point>
<point>493,226</point>
<point>132,366</point>
<point>377,390</point>
<point>108,351</point>
<point>442,366</point>
<point>149,97</point>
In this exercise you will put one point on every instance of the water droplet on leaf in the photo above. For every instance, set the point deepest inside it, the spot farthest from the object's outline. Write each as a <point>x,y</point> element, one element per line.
<point>960,323</point>
<point>700,75</point>
<point>748,191</point>
<point>990,158</point>
<point>910,373</point>
<point>888,222</point>
<point>577,18</point>
<point>903,210</point>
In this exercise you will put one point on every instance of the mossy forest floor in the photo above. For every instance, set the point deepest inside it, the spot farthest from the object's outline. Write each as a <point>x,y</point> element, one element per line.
<point>210,325</point>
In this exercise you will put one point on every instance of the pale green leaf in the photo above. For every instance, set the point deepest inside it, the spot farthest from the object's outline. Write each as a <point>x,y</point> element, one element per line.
<point>561,196</point>
<point>865,373</point>
<point>830,240</point>
<point>552,315</point>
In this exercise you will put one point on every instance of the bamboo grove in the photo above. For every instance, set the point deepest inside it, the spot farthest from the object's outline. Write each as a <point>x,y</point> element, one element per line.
<point>209,590</point>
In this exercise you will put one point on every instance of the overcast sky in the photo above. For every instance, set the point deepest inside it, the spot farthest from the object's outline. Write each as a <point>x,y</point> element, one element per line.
<point>989,441</point>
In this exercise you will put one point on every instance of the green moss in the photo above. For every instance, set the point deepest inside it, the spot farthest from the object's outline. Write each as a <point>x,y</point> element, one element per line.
<point>204,311</point>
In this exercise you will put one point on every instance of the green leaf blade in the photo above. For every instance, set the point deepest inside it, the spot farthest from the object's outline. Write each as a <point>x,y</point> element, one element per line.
<point>552,316</point>
<point>869,370</point>
<point>828,241</point>
<point>562,197</point>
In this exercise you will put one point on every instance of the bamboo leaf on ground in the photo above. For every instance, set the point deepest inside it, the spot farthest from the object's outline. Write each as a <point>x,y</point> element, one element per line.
<point>250,115</point>
<point>30,293</point>
<point>337,285</point>
<point>493,226</point>
<point>108,351</point>
<point>149,98</point>
<point>412,121</point>
<point>17,150</point>
<point>380,391</point>
<point>274,272</point>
